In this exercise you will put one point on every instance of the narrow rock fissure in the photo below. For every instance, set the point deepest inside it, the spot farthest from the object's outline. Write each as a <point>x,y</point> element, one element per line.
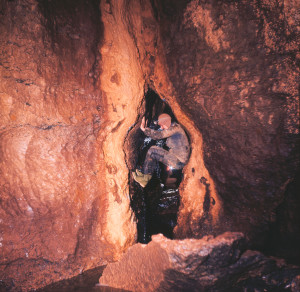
<point>156,205</point>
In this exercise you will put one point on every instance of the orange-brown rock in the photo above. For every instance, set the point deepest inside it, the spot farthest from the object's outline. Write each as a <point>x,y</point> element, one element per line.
<point>230,72</point>
<point>73,75</point>
<point>207,264</point>
<point>64,202</point>
<point>233,70</point>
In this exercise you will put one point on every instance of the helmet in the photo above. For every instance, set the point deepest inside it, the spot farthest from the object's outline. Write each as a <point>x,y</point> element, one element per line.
<point>164,119</point>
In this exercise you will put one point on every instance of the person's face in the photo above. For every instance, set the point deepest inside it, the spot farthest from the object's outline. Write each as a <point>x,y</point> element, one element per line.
<point>164,127</point>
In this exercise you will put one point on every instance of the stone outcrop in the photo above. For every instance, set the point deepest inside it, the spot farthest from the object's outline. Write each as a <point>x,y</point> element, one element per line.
<point>73,75</point>
<point>207,264</point>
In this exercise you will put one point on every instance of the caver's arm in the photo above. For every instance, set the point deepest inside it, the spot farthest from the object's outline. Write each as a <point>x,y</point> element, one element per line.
<point>157,135</point>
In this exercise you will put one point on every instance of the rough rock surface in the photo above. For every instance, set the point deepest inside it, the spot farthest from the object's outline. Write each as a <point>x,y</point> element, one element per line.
<point>63,201</point>
<point>230,71</point>
<point>193,191</point>
<point>234,67</point>
<point>71,90</point>
<point>207,264</point>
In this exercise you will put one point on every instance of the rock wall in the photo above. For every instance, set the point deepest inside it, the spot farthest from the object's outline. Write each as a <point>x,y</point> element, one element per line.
<point>72,83</point>
<point>230,72</point>
<point>65,85</point>
<point>234,68</point>
<point>193,190</point>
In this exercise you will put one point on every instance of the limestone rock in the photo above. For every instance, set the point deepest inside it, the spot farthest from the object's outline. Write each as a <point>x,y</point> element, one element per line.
<point>207,264</point>
<point>234,69</point>
<point>73,75</point>
<point>63,201</point>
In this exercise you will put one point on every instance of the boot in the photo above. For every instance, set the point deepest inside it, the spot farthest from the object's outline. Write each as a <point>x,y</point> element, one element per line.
<point>142,179</point>
<point>139,173</point>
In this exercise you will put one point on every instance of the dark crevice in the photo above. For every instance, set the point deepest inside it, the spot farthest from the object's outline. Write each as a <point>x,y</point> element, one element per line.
<point>156,205</point>
<point>205,222</point>
<point>283,238</point>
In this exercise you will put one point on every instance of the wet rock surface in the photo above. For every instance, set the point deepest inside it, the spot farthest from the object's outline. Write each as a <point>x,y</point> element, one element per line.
<point>208,264</point>
<point>87,281</point>
<point>155,206</point>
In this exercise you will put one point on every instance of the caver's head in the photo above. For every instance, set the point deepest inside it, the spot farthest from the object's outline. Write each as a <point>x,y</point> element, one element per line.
<point>164,121</point>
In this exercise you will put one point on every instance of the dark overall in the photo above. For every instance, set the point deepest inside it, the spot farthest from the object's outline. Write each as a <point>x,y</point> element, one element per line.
<point>177,155</point>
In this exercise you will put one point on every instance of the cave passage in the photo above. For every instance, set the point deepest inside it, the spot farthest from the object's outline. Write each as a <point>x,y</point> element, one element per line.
<point>156,205</point>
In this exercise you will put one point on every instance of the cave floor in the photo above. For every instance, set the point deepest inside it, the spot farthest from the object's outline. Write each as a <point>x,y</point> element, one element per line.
<point>87,281</point>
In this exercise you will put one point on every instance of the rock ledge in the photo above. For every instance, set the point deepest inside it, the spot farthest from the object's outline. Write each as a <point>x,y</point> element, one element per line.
<point>208,264</point>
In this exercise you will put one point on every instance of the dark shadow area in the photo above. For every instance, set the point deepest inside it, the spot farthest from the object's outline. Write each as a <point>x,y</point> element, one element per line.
<point>283,238</point>
<point>74,29</point>
<point>86,281</point>
<point>156,205</point>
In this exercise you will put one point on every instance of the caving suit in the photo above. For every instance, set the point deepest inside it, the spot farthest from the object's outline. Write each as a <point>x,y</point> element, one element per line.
<point>178,151</point>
